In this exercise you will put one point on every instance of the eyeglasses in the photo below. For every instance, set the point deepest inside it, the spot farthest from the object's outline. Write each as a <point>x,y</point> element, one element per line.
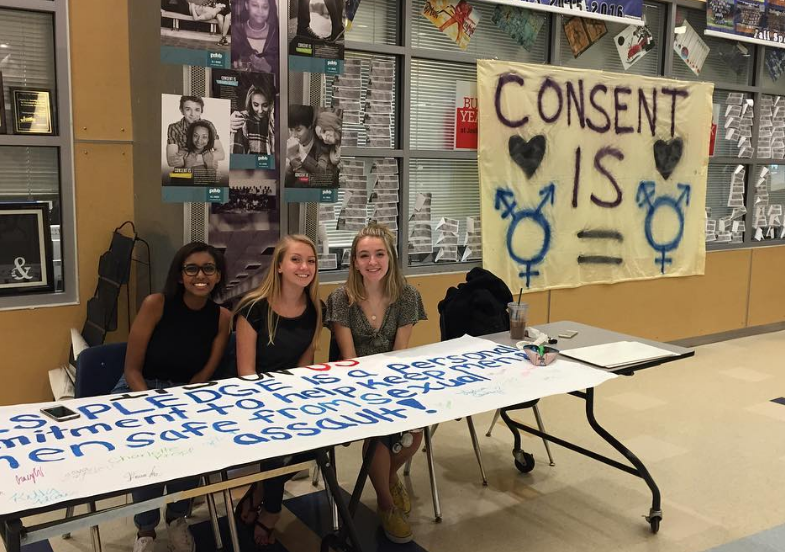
<point>193,270</point>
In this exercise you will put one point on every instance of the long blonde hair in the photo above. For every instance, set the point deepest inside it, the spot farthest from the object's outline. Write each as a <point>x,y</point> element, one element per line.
<point>270,288</point>
<point>393,282</point>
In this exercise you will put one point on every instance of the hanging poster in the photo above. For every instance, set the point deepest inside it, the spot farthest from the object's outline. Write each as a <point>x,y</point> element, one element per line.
<point>194,162</point>
<point>316,36</point>
<point>246,224</point>
<point>522,25</point>
<point>755,21</point>
<point>629,12</point>
<point>775,63</point>
<point>313,154</point>
<point>690,48</point>
<point>632,44</point>
<point>455,18</point>
<point>196,32</point>
<point>583,180</point>
<point>252,124</point>
<point>465,115</point>
<point>581,33</point>
<point>255,40</point>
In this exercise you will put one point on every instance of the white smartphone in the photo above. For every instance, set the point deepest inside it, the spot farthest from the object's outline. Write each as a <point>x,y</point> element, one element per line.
<point>568,334</point>
<point>60,413</point>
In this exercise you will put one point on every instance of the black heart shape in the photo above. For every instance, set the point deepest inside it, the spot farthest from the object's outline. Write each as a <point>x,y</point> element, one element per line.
<point>667,155</point>
<point>527,155</point>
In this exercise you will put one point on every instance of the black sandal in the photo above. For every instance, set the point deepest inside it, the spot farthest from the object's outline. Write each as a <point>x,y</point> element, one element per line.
<point>269,531</point>
<point>247,497</point>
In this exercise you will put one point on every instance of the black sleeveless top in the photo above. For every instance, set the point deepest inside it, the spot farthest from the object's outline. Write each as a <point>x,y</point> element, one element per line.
<point>182,341</point>
<point>293,336</point>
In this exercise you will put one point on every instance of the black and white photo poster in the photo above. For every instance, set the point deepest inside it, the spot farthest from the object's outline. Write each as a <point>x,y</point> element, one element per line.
<point>255,38</point>
<point>313,154</point>
<point>196,32</point>
<point>253,121</point>
<point>194,162</point>
<point>316,36</point>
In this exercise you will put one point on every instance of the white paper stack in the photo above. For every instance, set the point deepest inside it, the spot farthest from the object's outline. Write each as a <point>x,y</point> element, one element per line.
<point>384,197</point>
<point>420,239</point>
<point>760,211</point>
<point>771,132</point>
<point>347,94</point>
<point>446,246</point>
<point>379,102</point>
<point>327,260</point>
<point>731,228</point>
<point>353,214</point>
<point>473,241</point>
<point>326,212</point>
<point>738,123</point>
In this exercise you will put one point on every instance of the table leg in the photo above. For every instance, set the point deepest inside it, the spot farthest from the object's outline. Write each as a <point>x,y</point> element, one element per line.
<point>637,469</point>
<point>655,513</point>
<point>348,532</point>
<point>13,535</point>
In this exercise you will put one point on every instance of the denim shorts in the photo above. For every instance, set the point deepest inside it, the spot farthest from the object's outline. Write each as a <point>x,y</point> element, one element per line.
<point>122,386</point>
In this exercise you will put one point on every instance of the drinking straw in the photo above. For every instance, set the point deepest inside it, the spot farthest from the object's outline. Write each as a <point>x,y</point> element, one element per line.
<point>520,296</point>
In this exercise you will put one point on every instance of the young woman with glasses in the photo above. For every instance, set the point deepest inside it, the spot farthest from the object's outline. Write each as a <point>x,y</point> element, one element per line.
<point>278,326</point>
<point>178,337</point>
<point>374,313</point>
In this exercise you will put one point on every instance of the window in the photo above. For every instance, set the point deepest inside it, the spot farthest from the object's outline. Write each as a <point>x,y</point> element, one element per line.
<point>37,168</point>
<point>437,181</point>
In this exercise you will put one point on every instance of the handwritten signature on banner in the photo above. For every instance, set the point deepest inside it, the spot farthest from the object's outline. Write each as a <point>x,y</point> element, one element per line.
<point>121,441</point>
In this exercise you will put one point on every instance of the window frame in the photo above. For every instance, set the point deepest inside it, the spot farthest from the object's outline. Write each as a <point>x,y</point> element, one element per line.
<point>405,53</point>
<point>58,9</point>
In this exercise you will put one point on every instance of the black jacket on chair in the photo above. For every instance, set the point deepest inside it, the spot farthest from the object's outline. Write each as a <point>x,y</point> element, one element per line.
<point>476,307</point>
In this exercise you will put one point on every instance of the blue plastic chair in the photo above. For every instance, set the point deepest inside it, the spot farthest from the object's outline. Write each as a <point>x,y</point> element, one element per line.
<point>98,369</point>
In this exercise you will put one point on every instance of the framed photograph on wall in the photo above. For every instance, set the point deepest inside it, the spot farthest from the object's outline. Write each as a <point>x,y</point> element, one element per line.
<point>32,111</point>
<point>3,129</point>
<point>26,264</point>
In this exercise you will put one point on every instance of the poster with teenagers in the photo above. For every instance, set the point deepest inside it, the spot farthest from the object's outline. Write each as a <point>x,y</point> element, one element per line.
<point>196,32</point>
<point>255,36</point>
<point>316,36</point>
<point>253,129</point>
<point>122,441</point>
<point>313,154</point>
<point>590,177</point>
<point>194,161</point>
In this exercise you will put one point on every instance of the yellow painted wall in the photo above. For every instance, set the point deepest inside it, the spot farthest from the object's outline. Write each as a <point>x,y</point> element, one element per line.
<point>35,341</point>
<point>741,288</point>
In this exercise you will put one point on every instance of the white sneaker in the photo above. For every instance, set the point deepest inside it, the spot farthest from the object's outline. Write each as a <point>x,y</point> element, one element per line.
<point>144,544</point>
<point>180,538</point>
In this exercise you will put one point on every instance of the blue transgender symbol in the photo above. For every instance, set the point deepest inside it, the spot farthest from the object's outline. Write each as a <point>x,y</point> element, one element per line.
<point>505,202</point>
<point>646,200</point>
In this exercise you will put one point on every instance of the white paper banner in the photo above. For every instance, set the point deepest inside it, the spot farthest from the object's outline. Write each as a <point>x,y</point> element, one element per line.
<point>125,441</point>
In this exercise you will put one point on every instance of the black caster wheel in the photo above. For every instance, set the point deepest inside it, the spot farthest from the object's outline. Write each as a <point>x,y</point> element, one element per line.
<point>654,521</point>
<point>523,461</point>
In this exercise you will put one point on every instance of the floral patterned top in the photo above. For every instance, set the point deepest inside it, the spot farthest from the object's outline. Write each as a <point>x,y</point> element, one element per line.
<point>408,309</point>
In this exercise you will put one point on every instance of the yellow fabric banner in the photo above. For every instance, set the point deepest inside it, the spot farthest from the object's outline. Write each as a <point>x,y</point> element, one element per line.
<point>590,177</point>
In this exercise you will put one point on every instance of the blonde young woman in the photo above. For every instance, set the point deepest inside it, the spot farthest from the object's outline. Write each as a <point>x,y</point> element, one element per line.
<point>374,313</point>
<point>278,327</point>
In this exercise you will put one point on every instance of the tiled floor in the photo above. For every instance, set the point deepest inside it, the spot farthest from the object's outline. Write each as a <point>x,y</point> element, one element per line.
<point>706,428</point>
